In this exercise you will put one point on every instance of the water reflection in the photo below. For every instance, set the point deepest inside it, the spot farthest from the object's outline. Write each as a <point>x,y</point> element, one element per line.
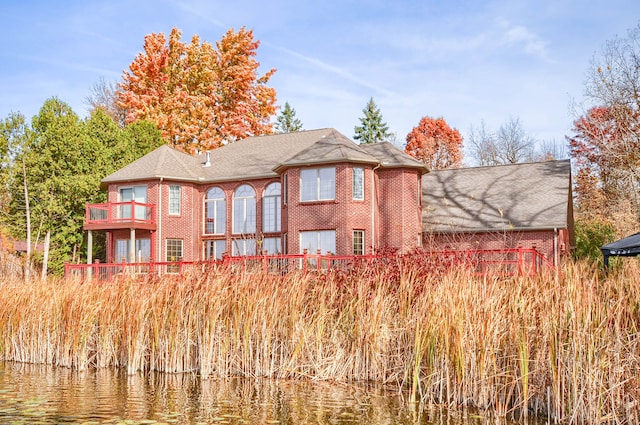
<point>35,394</point>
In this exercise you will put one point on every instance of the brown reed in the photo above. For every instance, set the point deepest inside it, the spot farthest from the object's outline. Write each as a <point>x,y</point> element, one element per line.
<point>562,346</point>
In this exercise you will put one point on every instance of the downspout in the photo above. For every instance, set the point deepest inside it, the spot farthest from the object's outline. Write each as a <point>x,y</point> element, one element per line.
<point>555,247</point>
<point>159,232</point>
<point>373,212</point>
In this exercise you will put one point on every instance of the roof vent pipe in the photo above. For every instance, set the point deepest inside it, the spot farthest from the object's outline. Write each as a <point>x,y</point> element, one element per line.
<point>207,162</point>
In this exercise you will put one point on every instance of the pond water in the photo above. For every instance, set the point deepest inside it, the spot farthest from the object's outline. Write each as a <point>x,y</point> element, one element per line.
<point>35,394</point>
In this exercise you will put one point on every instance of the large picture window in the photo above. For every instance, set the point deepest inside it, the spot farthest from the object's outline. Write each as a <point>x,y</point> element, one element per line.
<point>324,240</point>
<point>244,210</point>
<point>318,184</point>
<point>271,211</point>
<point>215,212</point>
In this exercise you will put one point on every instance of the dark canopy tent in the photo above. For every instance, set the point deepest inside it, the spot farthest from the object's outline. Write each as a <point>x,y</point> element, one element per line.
<point>626,247</point>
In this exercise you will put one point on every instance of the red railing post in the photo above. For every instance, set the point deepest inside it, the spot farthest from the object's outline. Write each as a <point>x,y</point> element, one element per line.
<point>304,261</point>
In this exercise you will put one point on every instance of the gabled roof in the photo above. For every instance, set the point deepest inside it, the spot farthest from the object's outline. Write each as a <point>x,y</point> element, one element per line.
<point>260,157</point>
<point>392,157</point>
<point>331,148</point>
<point>163,162</point>
<point>508,197</point>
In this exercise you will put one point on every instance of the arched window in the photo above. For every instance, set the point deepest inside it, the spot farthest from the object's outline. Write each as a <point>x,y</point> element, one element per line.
<point>271,211</point>
<point>244,210</point>
<point>215,212</point>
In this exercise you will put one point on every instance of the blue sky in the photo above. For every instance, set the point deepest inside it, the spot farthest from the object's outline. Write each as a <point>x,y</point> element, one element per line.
<point>467,61</point>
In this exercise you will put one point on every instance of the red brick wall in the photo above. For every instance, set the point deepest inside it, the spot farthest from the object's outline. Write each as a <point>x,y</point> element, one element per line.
<point>343,214</point>
<point>542,240</point>
<point>399,209</point>
<point>394,205</point>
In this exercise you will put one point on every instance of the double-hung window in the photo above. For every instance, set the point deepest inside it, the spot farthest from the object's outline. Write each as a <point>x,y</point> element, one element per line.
<point>318,184</point>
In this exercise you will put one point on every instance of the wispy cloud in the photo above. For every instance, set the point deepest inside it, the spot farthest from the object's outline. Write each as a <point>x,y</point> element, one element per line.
<point>341,72</point>
<point>518,35</point>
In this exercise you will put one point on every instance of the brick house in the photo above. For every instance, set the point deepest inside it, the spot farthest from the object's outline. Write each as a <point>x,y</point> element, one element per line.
<point>317,189</point>
<point>279,193</point>
<point>525,205</point>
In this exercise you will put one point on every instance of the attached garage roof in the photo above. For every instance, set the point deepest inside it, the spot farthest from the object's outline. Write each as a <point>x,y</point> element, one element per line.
<point>507,197</point>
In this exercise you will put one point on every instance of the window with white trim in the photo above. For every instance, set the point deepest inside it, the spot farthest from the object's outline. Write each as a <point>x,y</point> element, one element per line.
<point>215,212</point>
<point>358,242</point>
<point>174,253</point>
<point>244,210</point>
<point>358,184</point>
<point>174,199</point>
<point>271,211</point>
<point>318,184</point>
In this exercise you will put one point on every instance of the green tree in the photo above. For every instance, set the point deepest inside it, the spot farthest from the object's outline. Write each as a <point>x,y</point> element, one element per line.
<point>287,122</point>
<point>55,169</point>
<point>372,128</point>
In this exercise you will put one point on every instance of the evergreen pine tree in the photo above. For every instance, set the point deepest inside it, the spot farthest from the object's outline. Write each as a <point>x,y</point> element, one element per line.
<point>287,122</point>
<point>373,129</point>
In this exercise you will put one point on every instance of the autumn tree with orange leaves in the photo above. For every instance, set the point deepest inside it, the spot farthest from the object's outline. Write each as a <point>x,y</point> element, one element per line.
<point>435,143</point>
<point>200,96</point>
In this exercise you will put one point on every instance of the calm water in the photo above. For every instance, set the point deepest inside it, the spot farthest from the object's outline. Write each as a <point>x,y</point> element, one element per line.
<point>33,394</point>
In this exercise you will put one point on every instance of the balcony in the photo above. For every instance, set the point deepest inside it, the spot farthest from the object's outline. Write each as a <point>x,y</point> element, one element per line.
<point>120,215</point>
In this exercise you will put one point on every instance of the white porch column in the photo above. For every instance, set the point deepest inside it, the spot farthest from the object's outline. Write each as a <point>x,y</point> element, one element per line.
<point>89,253</point>
<point>132,246</point>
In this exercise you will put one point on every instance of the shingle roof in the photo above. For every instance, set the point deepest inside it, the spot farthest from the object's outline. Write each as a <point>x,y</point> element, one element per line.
<point>163,162</point>
<point>259,157</point>
<point>331,148</point>
<point>508,197</point>
<point>390,156</point>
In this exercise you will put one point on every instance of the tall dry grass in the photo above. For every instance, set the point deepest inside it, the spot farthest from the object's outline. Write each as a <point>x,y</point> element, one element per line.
<point>564,347</point>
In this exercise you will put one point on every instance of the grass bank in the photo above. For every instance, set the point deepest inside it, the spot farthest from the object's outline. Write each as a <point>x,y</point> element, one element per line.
<point>564,347</point>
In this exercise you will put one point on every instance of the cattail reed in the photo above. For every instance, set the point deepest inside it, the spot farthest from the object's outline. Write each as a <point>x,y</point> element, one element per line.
<point>563,346</point>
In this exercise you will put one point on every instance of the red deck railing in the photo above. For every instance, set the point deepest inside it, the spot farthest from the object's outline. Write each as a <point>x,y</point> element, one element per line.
<point>509,262</point>
<point>119,213</point>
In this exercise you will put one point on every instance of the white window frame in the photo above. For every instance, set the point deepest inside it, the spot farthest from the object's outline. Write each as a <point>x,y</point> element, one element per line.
<point>244,223</point>
<point>311,240</point>
<point>213,205</point>
<point>357,184</point>
<point>360,236</point>
<point>271,208</point>
<point>318,184</point>
<point>173,268</point>
<point>175,199</point>
<point>140,211</point>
